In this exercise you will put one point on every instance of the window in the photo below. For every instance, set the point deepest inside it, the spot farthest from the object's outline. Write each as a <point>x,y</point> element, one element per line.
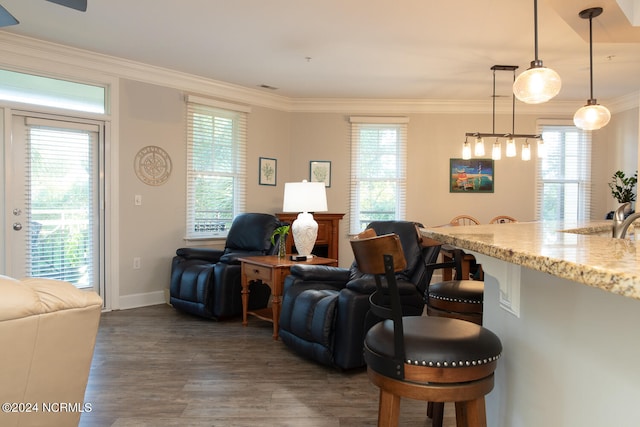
<point>564,174</point>
<point>45,91</point>
<point>378,170</point>
<point>216,167</point>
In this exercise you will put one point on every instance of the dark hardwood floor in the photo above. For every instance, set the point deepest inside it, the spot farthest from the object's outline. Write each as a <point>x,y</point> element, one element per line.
<point>155,366</point>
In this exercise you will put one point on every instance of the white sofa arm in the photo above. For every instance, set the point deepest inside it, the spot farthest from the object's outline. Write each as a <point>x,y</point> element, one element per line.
<point>48,330</point>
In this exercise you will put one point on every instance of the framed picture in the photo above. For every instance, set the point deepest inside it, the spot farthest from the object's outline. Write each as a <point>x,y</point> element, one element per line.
<point>268,171</point>
<point>320,171</point>
<point>471,176</point>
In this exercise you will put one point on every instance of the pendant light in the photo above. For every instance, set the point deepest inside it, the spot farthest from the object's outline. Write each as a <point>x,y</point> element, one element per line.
<point>593,115</point>
<point>466,150</point>
<point>478,149</point>
<point>538,84</point>
<point>496,149</point>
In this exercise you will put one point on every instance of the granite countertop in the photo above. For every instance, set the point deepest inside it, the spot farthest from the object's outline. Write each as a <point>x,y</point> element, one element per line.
<point>584,253</point>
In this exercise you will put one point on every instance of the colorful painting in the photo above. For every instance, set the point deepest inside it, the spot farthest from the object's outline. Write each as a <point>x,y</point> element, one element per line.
<point>471,176</point>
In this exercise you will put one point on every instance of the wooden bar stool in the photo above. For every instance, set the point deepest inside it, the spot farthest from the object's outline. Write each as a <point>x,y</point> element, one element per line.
<point>435,359</point>
<point>457,299</point>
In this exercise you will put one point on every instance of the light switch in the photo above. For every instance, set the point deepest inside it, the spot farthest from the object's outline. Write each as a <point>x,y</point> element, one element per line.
<point>138,200</point>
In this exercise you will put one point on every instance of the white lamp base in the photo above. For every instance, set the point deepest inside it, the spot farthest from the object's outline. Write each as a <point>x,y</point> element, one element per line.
<point>305,232</point>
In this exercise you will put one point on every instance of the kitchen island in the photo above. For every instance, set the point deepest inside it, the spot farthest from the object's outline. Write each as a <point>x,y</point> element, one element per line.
<point>563,298</point>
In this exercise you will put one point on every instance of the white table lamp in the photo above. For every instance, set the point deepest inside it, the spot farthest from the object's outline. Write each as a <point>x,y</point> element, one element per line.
<point>304,197</point>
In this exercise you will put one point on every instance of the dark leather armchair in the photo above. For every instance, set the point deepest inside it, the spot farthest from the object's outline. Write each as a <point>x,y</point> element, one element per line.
<point>325,310</point>
<point>206,282</point>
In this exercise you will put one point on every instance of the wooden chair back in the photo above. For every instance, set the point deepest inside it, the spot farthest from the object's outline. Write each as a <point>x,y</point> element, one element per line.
<point>464,220</point>
<point>502,219</point>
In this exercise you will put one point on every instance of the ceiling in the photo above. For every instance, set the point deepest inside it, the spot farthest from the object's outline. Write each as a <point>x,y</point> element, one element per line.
<point>385,49</point>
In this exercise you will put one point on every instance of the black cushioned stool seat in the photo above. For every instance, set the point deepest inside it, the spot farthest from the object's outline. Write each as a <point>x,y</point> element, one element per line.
<point>457,299</point>
<point>438,342</point>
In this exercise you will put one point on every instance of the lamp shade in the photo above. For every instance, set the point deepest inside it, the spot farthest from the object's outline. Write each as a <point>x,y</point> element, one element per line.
<point>304,197</point>
<point>591,117</point>
<point>537,85</point>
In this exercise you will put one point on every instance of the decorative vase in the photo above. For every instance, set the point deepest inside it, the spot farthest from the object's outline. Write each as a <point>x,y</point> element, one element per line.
<point>282,246</point>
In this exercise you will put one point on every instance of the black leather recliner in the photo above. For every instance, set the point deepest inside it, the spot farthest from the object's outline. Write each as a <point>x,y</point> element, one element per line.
<point>206,282</point>
<point>325,310</point>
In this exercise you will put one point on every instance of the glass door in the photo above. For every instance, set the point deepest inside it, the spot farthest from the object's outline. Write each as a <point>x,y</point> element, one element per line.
<point>56,193</point>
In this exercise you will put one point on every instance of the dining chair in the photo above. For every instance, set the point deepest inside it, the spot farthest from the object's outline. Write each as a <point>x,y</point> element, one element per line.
<point>433,359</point>
<point>464,220</point>
<point>502,219</point>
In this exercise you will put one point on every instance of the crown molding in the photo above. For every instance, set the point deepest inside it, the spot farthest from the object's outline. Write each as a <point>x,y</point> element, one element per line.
<point>27,54</point>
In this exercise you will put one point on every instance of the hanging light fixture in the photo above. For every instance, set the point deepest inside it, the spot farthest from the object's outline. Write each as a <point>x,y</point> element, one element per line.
<point>538,84</point>
<point>526,151</point>
<point>593,115</point>
<point>478,149</point>
<point>496,151</point>
<point>511,147</point>
<point>542,150</point>
<point>466,150</point>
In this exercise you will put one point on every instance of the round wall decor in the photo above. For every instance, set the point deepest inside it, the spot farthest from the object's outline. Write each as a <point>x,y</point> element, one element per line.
<point>152,165</point>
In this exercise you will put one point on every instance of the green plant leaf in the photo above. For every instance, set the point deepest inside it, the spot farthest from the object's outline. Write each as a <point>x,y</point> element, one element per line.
<point>282,231</point>
<point>622,186</point>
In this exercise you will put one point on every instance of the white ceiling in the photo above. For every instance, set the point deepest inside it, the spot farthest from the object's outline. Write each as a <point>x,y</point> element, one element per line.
<point>388,49</point>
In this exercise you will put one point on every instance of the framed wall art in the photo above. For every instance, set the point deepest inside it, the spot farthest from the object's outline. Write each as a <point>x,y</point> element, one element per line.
<point>152,165</point>
<point>320,171</point>
<point>268,170</point>
<point>471,176</point>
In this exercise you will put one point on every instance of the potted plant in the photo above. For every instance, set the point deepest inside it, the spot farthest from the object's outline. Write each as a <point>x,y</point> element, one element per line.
<point>622,187</point>
<point>282,232</point>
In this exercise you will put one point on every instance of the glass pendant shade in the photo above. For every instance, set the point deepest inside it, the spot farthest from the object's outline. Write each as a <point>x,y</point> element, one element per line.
<point>479,147</point>
<point>526,151</point>
<point>511,148</point>
<point>496,152</point>
<point>537,85</point>
<point>466,150</point>
<point>592,116</point>
<point>542,150</point>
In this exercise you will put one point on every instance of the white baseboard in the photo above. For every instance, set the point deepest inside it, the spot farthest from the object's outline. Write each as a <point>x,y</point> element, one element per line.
<point>142,300</point>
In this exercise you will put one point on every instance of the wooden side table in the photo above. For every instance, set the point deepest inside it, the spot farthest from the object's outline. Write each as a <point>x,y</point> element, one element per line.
<point>271,270</point>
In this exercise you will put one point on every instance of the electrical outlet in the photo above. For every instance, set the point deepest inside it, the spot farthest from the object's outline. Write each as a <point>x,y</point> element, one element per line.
<point>136,263</point>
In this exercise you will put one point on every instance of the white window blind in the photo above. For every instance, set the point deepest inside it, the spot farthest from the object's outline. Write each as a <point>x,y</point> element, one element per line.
<point>563,179</point>
<point>378,170</point>
<point>62,199</point>
<point>216,169</point>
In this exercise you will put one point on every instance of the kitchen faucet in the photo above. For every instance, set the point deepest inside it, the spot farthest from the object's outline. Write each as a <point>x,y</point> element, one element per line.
<point>620,224</point>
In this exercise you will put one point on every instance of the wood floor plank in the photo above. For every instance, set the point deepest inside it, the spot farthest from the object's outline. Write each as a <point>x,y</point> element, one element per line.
<point>154,366</point>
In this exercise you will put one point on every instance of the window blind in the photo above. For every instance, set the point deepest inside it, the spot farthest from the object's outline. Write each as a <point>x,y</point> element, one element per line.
<point>62,199</point>
<point>216,169</point>
<point>563,178</point>
<point>378,170</point>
